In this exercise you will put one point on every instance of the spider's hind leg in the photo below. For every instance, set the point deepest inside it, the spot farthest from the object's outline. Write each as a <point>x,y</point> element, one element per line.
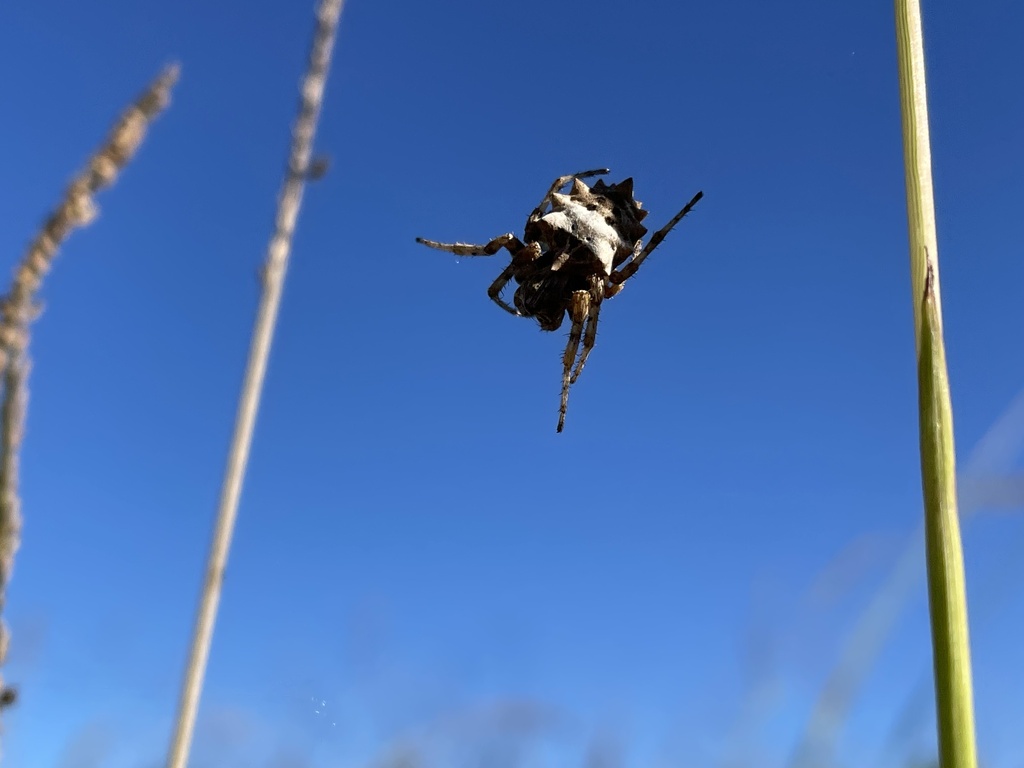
<point>560,182</point>
<point>620,276</point>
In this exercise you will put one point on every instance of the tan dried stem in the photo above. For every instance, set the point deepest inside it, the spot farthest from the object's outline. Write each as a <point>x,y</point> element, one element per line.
<point>18,308</point>
<point>272,276</point>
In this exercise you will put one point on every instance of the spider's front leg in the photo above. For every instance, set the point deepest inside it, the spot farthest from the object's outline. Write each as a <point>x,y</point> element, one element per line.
<point>508,241</point>
<point>597,293</point>
<point>494,292</point>
<point>520,259</point>
<point>579,308</point>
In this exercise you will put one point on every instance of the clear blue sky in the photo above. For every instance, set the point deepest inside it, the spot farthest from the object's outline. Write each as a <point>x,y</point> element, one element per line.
<point>416,546</point>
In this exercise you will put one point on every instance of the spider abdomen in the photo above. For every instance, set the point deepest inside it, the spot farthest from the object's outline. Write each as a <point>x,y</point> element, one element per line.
<point>590,229</point>
<point>604,220</point>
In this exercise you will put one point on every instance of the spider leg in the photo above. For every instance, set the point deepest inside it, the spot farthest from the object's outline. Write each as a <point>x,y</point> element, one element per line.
<point>523,256</point>
<point>520,253</point>
<point>499,285</point>
<point>620,276</point>
<point>508,241</point>
<point>560,182</point>
<point>590,337</point>
<point>612,289</point>
<point>579,307</point>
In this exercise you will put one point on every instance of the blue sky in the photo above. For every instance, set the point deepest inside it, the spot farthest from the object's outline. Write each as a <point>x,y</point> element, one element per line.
<point>416,547</point>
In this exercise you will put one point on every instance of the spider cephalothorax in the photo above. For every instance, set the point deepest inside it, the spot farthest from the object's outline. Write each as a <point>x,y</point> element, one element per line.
<point>575,256</point>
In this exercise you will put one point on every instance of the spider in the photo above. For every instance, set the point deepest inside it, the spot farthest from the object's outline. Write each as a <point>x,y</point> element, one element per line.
<point>580,249</point>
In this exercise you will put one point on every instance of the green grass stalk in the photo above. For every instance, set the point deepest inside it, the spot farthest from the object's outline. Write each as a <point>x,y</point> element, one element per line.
<point>943,550</point>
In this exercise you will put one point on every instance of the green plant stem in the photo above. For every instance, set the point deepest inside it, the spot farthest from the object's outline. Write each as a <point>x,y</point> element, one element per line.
<point>943,551</point>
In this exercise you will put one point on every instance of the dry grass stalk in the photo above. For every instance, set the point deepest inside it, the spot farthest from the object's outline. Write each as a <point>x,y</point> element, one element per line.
<point>272,275</point>
<point>18,309</point>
